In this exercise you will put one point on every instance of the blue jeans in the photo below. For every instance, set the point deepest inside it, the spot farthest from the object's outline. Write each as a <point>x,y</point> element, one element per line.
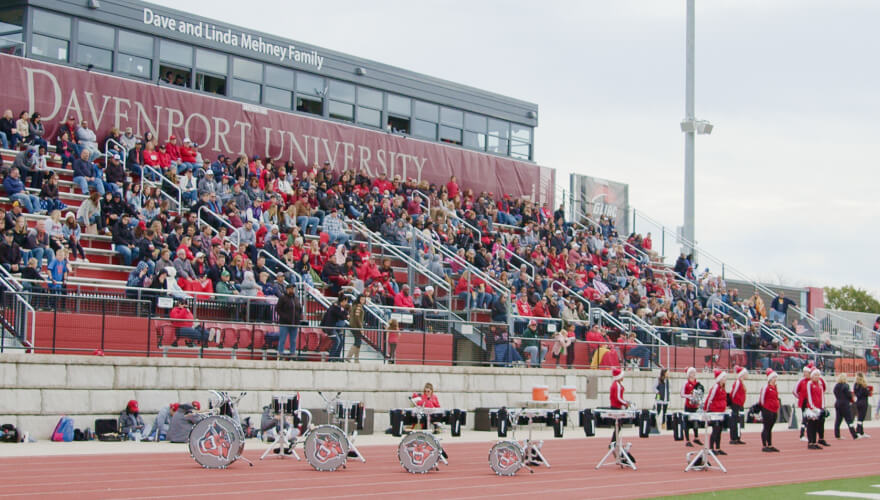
<point>38,253</point>
<point>128,254</point>
<point>30,202</point>
<point>4,140</point>
<point>776,316</point>
<point>338,336</point>
<point>188,197</point>
<point>54,204</point>
<point>182,166</point>
<point>287,332</point>
<point>308,225</point>
<point>506,354</point>
<point>339,238</point>
<point>533,352</point>
<point>481,300</point>
<point>84,185</point>
<point>641,352</point>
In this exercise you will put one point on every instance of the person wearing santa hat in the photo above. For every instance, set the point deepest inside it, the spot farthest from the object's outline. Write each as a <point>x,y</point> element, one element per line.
<point>737,403</point>
<point>769,402</point>
<point>815,406</point>
<point>691,406</point>
<point>800,396</point>
<point>616,399</point>
<point>716,402</point>
<point>821,427</point>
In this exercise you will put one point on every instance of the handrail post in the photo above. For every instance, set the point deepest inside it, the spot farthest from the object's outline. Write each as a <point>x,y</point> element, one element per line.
<point>103,322</point>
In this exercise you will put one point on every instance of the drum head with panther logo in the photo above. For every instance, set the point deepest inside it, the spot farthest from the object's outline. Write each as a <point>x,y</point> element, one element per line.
<point>326,448</point>
<point>216,442</point>
<point>419,452</point>
<point>506,458</point>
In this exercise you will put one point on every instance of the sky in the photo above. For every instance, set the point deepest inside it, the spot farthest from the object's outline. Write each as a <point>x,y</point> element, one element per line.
<point>786,184</point>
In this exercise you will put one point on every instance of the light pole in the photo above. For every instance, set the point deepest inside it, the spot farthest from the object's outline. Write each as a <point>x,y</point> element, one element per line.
<point>690,126</point>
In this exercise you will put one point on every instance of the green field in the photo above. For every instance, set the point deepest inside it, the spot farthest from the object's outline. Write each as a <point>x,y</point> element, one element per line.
<point>862,485</point>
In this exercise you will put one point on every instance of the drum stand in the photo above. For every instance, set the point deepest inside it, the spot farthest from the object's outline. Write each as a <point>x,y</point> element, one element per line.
<point>283,439</point>
<point>703,459</point>
<point>617,449</point>
<point>345,417</point>
<point>531,448</point>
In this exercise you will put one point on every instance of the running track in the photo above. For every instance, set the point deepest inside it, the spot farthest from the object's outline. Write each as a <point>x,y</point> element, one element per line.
<point>661,464</point>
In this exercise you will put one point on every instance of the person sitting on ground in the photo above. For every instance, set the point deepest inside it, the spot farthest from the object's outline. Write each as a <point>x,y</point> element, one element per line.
<point>159,430</point>
<point>131,425</point>
<point>183,421</point>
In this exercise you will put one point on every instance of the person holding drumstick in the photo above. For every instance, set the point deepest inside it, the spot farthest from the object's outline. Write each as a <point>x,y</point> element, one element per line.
<point>617,401</point>
<point>716,402</point>
<point>737,403</point>
<point>427,399</point>
<point>769,402</point>
<point>690,405</point>
<point>800,394</point>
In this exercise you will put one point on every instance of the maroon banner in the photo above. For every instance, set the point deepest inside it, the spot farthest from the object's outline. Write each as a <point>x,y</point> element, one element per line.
<point>222,126</point>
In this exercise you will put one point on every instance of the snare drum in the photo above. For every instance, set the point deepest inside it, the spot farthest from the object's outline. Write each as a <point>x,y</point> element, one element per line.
<point>625,417</point>
<point>811,414</point>
<point>287,403</point>
<point>326,448</point>
<point>352,410</point>
<point>506,458</point>
<point>216,442</point>
<point>419,452</point>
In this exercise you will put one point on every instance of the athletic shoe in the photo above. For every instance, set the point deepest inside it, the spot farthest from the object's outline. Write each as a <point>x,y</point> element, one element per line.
<point>720,452</point>
<point>866,435</point>
<point>804,439</point>
<point>689,444</point>
<point>766,449</point>
<point>823,442</point>
<point>813,447</point>
<point>859,436</point>
<point>697,441</point>
<point>738,441</point>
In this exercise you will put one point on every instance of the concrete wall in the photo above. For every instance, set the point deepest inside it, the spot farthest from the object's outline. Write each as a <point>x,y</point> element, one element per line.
<point>36,389</point>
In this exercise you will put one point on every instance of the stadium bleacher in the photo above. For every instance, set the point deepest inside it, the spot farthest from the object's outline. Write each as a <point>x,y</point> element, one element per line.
<point>404,238</point>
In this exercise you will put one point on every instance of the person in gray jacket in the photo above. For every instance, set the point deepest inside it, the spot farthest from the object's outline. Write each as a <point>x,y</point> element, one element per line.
<point>183,421</point>
<point>131,425</point>
<point>159,429</point>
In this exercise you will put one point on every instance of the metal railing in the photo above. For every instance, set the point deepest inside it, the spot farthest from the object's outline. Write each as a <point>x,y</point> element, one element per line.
<point>233,231</point>
<point>17,316</point>
<point>163,181</point>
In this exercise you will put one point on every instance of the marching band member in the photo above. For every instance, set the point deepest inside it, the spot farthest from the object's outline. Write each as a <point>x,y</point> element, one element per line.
<point>616,399</point>
<point>428,399</point>
<point>822,415</point>
<point>716,402</point>
<point>737,403</point>
<point>690,406</point>
<point>800,396</point>
<point>843,400</point>
<point>769,402</point>
<point>862,391</point>
<point>815,406</point>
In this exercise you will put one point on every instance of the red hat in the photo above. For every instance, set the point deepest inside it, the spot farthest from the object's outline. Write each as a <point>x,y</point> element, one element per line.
<point>171,138</point>
<point>771,374</point>
<point>720,375</point>
<point>740,371</point>
<point>175,406</point>
<point>132,406</point>
<point>616,373</point>
<point>196,405</point>
<point>216,240</point>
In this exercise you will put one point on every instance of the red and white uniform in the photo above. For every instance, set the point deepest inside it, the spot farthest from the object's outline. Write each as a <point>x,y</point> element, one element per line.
<point>617,400</point>
<point>686,390</point>
<point>427,402</point>
<point>738,393</point>
<point>716,401</point>
<point>800,391</point>
<point>769,399</point>
<point>815,395</point>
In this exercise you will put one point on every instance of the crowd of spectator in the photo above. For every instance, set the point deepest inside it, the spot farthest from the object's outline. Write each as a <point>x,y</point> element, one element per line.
<point>261,218</point>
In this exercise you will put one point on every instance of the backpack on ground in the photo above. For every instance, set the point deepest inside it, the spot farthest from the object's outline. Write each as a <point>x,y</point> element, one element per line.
<point>8,434</point>
<point>64,430</point>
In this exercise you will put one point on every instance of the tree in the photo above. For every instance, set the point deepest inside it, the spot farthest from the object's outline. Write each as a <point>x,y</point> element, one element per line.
<point>850,298</point>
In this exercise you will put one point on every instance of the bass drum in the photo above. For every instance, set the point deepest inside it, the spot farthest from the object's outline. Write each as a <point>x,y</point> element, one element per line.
<point>326,448</point>
<point>216,442</point>
<point>419,452</point>
<point>506,458</point>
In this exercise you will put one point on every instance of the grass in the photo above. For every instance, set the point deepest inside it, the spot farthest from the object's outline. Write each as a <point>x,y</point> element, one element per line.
<point>798,490</point>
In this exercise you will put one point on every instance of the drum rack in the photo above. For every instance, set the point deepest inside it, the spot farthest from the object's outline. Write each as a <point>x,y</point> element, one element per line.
<point>529,449</point>
<point>284,439</point>
<point>346,417</point>
<point>617,448</point>
<point>703,459</point>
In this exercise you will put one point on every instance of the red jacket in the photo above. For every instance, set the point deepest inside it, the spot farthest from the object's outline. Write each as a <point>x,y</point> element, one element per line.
<point>800,391</point>
<point>182,314</point>
<point>770,398</point>
<point>173,151</point>
<point>716,401</point>
<point>815,394</point>
<point>617,400</point>
<point>452,189</point>
<point>738,393</point>
<point>152,159</point>
<point>401,300</point>
<point>686,390</point>
<point>421,400</point>
<point>187,155</point>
